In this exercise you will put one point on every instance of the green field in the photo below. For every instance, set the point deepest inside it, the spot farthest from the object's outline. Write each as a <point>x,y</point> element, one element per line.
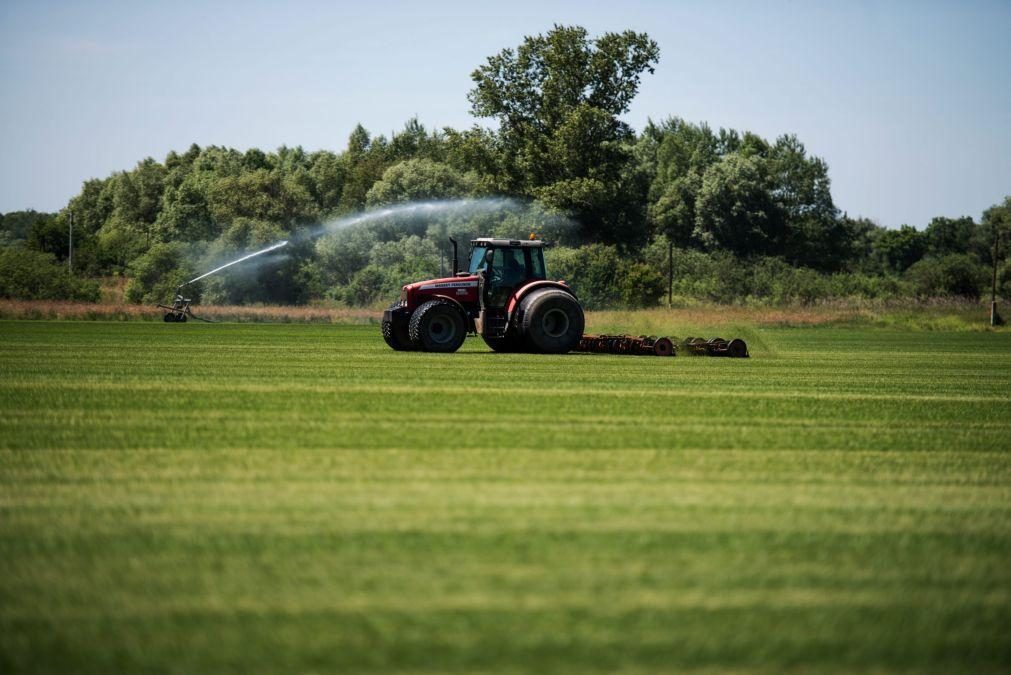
<point>294,498</point>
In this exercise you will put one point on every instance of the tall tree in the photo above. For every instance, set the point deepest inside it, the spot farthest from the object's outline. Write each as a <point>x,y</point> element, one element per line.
<point>18,225</point>
<point>327,173</point>
<point>417,179</point>
<point>735,209</point>
<point>996,227</point>
<point>813,235</point>
<point>950,235</point>
<point>557,99</point>
<point>899,249</point>
<point>366,161</point>
<point>681,153</point>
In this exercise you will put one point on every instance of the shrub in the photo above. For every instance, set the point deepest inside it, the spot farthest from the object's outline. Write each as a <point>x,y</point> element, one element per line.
<point>391,264</point>
<point>867,286</point>
<point>722,277</point>
<point>366,287</point>
<point>592,271</point>
<point>641,286</point>
<point>155,275</point>
<point>956,274</point>
<point>32,275</point>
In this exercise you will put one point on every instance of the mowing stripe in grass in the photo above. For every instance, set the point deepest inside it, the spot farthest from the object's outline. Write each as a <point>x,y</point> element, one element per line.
<point>301,499</point>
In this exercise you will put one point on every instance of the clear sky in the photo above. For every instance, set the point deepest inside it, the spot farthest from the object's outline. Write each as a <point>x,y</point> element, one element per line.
<point>908,102</point>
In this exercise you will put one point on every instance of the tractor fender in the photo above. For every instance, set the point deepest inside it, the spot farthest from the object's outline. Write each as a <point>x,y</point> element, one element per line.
<point>514,302</point>
<point>467,319</point>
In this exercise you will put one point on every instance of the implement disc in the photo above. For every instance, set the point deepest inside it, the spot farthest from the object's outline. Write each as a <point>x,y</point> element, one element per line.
<point>737,349</point>
<point>663,347</point>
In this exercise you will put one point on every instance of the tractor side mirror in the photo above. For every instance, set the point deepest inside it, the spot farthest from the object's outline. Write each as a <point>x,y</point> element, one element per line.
<point>488,255</point>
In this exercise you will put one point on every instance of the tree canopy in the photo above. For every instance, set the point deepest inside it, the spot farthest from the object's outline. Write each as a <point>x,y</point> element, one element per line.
<point>557,99</point>
<point>756,213</point>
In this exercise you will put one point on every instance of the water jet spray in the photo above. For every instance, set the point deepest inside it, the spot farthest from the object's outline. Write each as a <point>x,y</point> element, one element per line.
<point>180,308</point>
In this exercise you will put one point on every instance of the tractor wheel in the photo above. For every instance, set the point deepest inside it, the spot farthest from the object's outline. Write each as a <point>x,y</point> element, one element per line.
<point>170,318</point>
<point>397,334</point>
<point>438,326</point>
<point>510,344</point>
<point>552,321</point>
<point>181,318</point>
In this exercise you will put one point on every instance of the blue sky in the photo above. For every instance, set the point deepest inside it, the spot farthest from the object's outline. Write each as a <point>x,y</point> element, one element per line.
<point>909,103</point>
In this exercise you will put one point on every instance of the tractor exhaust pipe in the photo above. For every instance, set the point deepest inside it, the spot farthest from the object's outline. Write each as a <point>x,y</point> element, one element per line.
<point>456,257</point>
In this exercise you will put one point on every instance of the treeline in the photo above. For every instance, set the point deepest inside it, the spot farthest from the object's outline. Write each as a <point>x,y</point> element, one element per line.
<point>748,218</point>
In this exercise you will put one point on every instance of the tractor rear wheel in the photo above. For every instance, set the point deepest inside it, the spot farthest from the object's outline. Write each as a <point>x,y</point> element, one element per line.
<point>438,326</point>
<point>552,321</point>
<point>396,334</point>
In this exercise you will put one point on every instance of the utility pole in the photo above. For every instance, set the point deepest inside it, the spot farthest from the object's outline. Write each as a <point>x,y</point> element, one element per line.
<point>670,274</point>
<point>995,318</point>
<point>70,256</point>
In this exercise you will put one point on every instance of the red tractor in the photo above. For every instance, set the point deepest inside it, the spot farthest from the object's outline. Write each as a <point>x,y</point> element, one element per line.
<point>504,296</point>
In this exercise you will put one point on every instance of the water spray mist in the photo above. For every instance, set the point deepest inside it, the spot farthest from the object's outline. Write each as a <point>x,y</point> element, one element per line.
<point>274,247</point>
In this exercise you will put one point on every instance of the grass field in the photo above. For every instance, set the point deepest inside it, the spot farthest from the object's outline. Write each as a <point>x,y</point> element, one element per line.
<point>271,498</point>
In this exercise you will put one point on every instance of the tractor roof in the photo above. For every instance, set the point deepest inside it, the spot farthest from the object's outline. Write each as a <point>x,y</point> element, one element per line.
<point>501,243</point>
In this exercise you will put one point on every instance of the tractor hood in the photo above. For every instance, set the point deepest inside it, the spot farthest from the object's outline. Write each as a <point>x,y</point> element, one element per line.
<point>442,285</point>
<point>462,289</point>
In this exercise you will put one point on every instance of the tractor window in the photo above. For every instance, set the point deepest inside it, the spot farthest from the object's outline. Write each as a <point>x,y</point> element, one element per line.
<point>509,267</point>
<point>537,263</point>
<point>508,270</point>
<point>477,259</point>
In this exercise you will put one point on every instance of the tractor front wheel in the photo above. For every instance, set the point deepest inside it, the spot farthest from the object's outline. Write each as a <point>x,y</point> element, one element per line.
<point>395,330</point>
<point>552,321</point>
<point>438,326</point>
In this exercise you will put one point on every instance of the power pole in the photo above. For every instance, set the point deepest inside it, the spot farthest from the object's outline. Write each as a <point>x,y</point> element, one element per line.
<point>70,256</point>
<point>670,274</point>
<point>995,318</point>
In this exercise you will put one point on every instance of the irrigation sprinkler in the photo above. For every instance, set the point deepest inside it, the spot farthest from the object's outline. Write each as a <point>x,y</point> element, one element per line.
<point>180,309</point>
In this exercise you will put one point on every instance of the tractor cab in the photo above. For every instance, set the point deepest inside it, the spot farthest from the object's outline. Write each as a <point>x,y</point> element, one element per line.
<point>503,266</point>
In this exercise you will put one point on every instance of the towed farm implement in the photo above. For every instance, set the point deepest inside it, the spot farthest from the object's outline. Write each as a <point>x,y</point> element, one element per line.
<point>505,297</point>
<point>650,345</point>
